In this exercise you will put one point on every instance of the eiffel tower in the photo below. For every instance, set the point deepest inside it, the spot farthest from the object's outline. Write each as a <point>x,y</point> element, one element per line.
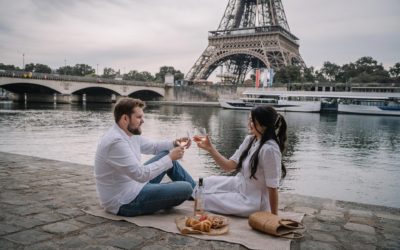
<point>252,34</point>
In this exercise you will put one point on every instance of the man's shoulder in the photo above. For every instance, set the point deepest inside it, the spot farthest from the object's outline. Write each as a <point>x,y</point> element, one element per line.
<point>112,135</point>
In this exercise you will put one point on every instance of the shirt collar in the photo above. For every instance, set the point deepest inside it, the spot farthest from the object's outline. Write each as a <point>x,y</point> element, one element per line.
<point>122,132</point>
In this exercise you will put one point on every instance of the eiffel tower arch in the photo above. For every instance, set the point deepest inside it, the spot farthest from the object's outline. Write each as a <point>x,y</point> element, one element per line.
<point>252,34</point>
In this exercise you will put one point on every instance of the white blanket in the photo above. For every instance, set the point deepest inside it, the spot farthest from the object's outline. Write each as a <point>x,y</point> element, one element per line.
<point>239,230</point>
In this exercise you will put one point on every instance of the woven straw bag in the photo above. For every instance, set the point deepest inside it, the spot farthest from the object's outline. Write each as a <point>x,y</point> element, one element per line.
<point>274,225</point>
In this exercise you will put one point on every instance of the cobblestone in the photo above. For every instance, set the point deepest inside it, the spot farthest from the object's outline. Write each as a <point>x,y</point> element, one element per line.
<point>48,215</point>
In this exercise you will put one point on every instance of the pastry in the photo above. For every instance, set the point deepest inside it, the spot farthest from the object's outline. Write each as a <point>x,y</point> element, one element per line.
<point>204,226</point>
<point>190,222</point>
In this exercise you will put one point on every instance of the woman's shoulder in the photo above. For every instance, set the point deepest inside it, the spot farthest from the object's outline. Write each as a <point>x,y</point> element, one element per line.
<point>270,145</point>
<point>248,138</point>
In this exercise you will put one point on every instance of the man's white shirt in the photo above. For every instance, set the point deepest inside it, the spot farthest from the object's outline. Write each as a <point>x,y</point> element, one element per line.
<point>118,170</point>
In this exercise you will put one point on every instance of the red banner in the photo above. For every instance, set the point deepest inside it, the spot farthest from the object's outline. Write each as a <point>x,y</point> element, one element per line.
<point>257,78</point>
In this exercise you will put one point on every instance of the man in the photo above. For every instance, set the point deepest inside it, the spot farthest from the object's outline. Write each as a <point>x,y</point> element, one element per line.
<point>126,187</point>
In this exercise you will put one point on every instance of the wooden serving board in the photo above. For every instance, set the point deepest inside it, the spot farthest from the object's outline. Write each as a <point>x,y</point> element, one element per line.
<point>181,224</point>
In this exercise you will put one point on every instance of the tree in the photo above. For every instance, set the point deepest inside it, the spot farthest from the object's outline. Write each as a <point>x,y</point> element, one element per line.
<point>82,70</point>
<point>8,67</point>
<point>368,70</point>
<point>139,76</point>
<point>29,67</point>
<point>42,68</point>
<point>288,74</point>
<point>319,77</point>
<point>65,70</point>
<point>109,73</point>
<point>367,64</point>
<point>395,70</point>
<point>308,74</point>
<point>160,76</point>
<point>330,71</point>
<point>347,72</point>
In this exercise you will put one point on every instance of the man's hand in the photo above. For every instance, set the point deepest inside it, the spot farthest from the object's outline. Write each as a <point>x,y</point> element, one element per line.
<point>176,153</point>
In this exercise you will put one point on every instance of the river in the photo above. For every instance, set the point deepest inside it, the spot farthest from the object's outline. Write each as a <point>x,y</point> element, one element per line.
<point>344,157</point>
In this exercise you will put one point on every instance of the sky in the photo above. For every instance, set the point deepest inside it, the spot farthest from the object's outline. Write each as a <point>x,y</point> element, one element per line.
<point>144,35</point>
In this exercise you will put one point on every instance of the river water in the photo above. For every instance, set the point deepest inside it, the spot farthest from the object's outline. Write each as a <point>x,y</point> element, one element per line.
<point>344,157</point>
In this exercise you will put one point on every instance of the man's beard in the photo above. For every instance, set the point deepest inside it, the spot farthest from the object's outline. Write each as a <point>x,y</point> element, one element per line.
<point>135,131</point>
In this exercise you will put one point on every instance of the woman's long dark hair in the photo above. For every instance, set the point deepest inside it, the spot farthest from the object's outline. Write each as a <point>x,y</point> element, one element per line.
<point>275,126</point>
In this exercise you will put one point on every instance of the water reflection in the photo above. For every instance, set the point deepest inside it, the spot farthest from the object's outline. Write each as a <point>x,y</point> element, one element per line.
<point>347,157</point>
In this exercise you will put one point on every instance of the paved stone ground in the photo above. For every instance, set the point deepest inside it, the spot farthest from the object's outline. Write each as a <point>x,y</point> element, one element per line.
<point>41,202</point>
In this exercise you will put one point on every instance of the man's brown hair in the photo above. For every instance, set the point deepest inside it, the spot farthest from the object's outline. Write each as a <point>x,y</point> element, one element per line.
<point>125,106</point>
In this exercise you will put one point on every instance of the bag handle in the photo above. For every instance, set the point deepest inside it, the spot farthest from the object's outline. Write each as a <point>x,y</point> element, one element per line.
<point>292,235</point>
<point>288,223</point>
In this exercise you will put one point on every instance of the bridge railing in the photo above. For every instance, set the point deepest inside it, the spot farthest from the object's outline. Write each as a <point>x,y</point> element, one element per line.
<point>90,79</point>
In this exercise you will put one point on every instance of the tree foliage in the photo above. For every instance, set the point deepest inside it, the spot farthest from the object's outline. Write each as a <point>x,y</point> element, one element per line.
<point>364,70</point>
<point>160,76</point>
<point>135,75</point>
<point>8,67</point>
<point>395,70</point>
<point>38,68</point>
<point>109,73</point>
<point>77,70</point>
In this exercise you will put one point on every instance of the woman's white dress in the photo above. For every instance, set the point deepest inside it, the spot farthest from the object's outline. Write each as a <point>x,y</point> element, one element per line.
<point>239,195</point>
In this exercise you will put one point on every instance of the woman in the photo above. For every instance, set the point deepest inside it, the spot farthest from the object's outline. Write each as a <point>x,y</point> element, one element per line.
<point>258,162</point>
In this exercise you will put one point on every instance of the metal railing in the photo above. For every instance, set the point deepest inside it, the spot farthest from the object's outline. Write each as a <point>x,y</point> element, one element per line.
<point>255,30</point>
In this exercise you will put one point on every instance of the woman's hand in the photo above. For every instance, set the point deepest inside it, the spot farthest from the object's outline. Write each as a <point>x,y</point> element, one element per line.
<point>203,142</point>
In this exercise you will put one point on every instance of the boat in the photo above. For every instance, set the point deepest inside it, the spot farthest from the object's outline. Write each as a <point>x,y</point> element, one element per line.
<point>375,103</point>
<point>376,106</point>
<point>247,103</point>
<point>281,101</point>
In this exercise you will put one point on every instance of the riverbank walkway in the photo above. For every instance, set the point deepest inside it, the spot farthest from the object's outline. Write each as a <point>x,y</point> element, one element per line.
<point>41,204</point>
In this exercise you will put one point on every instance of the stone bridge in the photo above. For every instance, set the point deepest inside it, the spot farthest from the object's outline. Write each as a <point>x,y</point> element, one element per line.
<point>67,89</point>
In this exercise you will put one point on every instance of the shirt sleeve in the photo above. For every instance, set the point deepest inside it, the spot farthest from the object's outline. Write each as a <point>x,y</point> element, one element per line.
<point>270,161</point>
<point>121,158</point>
<point>150,147</point>
<point>235,157</point>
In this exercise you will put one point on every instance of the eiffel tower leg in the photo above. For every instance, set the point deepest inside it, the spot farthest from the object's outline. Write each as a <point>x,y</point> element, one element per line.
<point>196,72</point>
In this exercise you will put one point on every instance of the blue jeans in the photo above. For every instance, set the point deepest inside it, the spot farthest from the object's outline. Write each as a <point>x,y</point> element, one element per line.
<point>156,196</point>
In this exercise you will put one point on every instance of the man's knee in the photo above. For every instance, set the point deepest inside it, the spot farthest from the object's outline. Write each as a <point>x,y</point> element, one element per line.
<point>185,188</point>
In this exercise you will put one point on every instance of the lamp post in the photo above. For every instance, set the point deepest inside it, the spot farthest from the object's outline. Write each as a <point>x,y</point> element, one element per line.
<point>23,61</point>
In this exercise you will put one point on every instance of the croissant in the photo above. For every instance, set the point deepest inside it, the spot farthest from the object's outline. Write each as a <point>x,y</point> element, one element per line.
<point>204,226</point>
<point>190,222</point>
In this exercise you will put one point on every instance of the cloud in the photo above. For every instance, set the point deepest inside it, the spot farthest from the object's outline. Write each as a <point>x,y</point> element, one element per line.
<point>144,35</point>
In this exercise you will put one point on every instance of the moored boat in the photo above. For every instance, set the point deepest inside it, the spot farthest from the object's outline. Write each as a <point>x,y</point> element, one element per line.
<point>375,103</point>
<point>386,106</point>
<point>280,101</point>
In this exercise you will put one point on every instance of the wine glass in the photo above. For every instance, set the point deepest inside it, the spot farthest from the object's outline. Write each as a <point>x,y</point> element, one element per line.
<point>183,141</point>
<point>199,135</point>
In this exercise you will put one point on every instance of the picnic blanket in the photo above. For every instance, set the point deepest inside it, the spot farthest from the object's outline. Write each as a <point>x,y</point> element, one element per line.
<point>239,230</point>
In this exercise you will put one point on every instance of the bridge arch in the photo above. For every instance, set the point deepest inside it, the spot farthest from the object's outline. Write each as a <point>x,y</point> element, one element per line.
<point>146,95</point>
<point>20,86</point>
<point>95,90</point>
